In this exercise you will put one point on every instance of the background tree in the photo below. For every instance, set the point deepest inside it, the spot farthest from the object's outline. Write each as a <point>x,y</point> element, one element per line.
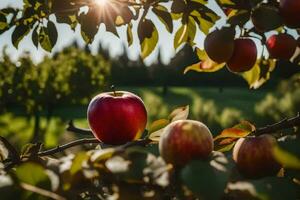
<point>70,78</point>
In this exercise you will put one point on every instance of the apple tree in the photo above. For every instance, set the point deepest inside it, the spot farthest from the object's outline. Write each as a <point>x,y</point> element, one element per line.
<point>174,157</point>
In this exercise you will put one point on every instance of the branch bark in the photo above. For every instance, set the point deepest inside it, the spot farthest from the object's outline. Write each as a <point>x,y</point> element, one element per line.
<point>69,145</point>
<point>40,191</point>
<point>72,128</point>
<point>283,124</point>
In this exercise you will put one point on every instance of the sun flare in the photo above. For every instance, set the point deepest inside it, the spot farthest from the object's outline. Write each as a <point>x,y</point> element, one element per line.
<point>101,2</point>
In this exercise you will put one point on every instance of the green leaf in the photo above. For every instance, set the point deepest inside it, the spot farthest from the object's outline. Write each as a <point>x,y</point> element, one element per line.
<point>164,16</point>
<point>226,2</point>
<point>158,124</point>
<point>67,19</point>
<point>89,25</point>
<point>148,36</point>
<point>238,17</point>
<point>19,33</point>
<point>207,179</point>
<point>33,174</point>
<point>205,21</point>
<point>181,36</point>
<point>78,162</point>
<point>35,37</point>
<point>260,73</point>
<point>129,34</point>
<point>102,155</point>
<point>138,159</point>
<point>44,39</point>
<point>191,31</point>
<point>3,21</point>
<point>288,153</point>
<point>52,33</point>
<point>270,188</point>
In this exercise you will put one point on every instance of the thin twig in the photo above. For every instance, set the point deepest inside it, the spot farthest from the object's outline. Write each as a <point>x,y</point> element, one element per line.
<point>58,149</point>
<point>41,191</point>
<point>69,145</point>
<point>283,124</point>
<point>72,128</point>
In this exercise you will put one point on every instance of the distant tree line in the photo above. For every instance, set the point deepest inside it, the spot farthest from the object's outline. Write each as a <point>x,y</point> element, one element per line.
<point>125,72</point>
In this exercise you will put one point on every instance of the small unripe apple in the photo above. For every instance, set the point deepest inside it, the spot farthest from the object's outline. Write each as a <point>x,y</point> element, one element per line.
<point>185,140</point>
<point>219,44</point>
<point>244,55</point>
<point>117,117</point>
<point>281,46</point>
<point>290,12</point>
<point>254,156</point>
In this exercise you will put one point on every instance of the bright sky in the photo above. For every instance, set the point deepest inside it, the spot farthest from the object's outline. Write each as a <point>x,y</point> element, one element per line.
<point>108,40</point>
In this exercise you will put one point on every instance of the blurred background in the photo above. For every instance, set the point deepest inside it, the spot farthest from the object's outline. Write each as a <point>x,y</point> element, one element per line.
<point>38,99</point>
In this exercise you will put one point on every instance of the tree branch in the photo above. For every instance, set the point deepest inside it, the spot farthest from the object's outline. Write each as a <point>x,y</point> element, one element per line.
<point>72,128</point>
<point>69,145</point>
<point>40,191</point>
<point>58,149</point>
<point>283,124</point>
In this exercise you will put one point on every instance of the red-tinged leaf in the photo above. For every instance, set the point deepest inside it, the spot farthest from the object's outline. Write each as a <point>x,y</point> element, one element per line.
<point>224,148</point>
<point>227,141</point>
<point>240,130</point>
<point>205,65</point>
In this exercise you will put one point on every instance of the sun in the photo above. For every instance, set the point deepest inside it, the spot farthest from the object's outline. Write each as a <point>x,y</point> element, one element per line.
<point>101,2</point>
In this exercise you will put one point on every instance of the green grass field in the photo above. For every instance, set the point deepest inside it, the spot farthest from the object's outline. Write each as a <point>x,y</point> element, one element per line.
<point>216,108</point>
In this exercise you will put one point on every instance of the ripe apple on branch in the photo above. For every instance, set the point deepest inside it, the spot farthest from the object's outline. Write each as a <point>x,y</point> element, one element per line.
<point>117,117</point>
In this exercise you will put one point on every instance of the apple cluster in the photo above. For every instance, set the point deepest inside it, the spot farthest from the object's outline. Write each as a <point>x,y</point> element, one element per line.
<point>240,54</point>
<point>119,117</point>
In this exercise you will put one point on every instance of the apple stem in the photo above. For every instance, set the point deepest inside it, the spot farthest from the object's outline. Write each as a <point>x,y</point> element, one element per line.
<point>113,89</point>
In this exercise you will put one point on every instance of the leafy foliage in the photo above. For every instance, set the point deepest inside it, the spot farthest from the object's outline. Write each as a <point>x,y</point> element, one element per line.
<point>252,19</point>
<point>132,172</point>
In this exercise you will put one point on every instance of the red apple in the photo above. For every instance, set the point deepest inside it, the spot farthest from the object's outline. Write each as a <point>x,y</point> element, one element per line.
<point>219,44</point>
<point>290,12</point>
<point>244,55</point>
<point>185,140</point>
<point>298,41</point>
<point>281,46</point>
<point>117,117</point>
<point>254,156</point>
